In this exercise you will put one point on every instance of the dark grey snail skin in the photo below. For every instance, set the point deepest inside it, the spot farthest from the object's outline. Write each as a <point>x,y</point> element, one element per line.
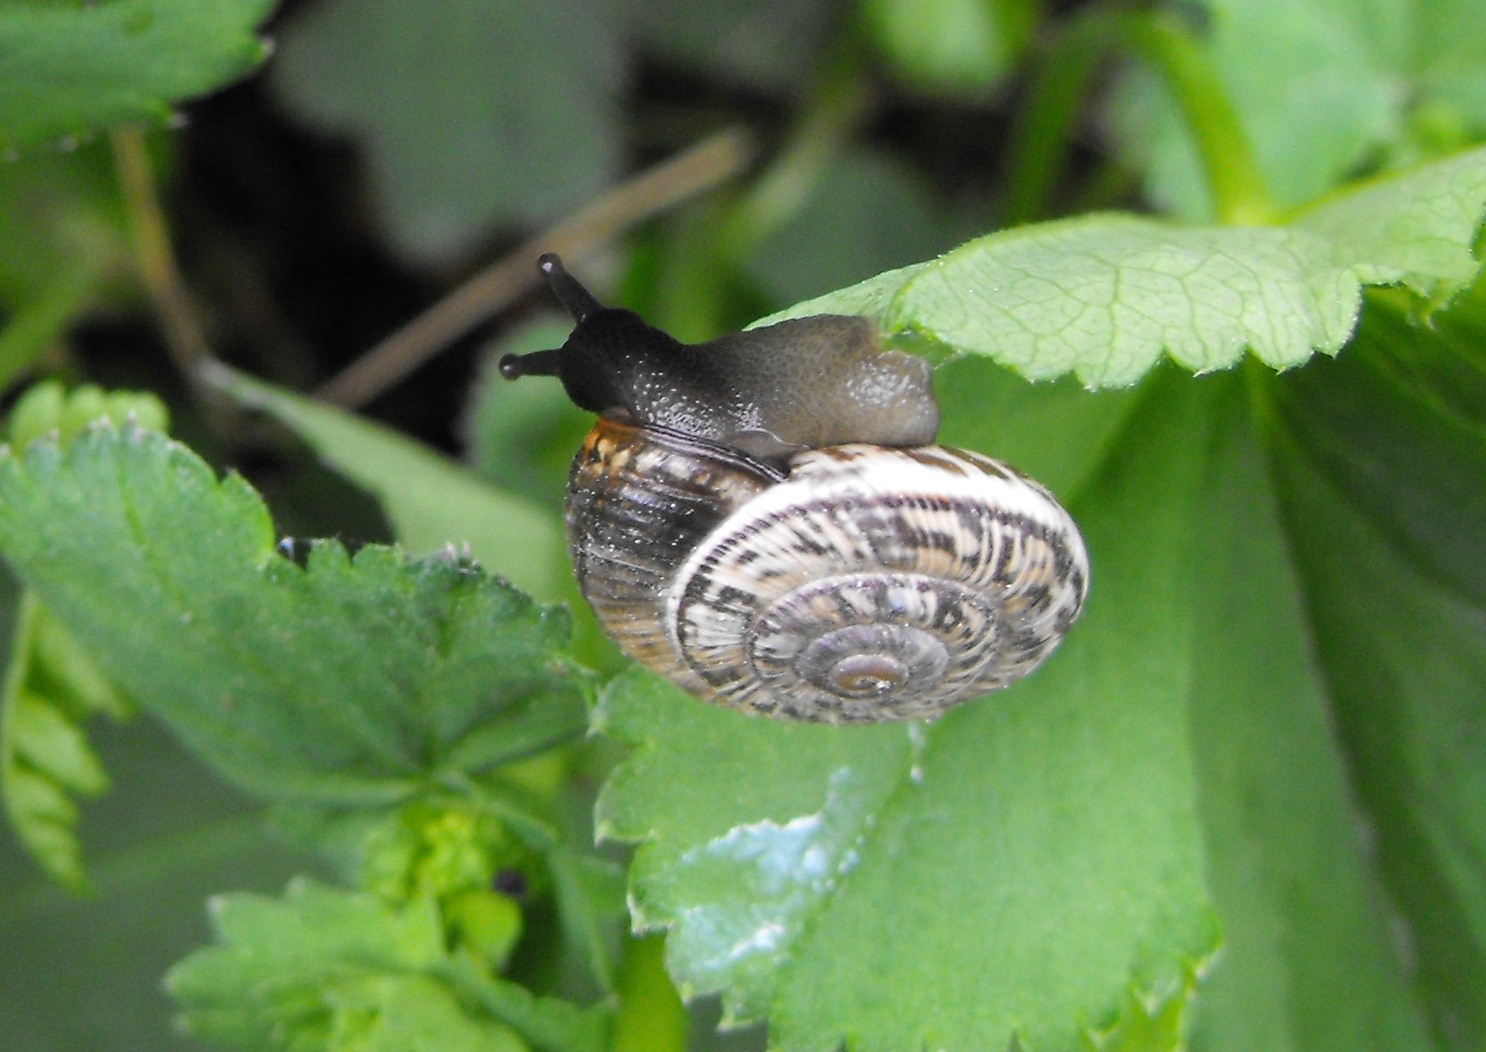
<point>801,384</point>
<point>763,520</point>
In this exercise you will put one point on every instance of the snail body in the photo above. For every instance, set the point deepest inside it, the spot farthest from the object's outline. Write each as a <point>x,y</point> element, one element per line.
<point>825,563</point>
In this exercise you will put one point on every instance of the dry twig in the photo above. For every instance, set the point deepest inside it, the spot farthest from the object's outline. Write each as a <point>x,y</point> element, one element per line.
<point>710,162</point>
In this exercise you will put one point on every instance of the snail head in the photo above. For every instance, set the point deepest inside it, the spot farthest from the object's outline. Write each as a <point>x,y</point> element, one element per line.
<point>608,354</point>
<point>767,392</point>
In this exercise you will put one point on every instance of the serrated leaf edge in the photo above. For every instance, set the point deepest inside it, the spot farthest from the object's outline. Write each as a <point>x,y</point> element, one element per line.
<point>886,297</point>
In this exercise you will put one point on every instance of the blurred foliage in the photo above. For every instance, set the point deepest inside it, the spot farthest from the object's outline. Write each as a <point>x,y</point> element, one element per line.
<point>448,156</point>
<point>1241,809</point>
<point>70,68</point>
<point>1356,83</point>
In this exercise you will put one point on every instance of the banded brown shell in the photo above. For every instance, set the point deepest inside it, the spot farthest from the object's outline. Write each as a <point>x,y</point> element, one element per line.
<point>859,583</point>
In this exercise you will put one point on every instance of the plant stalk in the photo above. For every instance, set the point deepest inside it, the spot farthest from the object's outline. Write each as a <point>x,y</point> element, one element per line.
<point>153,255</point>
<point>1232,172</point>
<point>652,192</point>
<point>651,1017</point>
<point>1045,130</point>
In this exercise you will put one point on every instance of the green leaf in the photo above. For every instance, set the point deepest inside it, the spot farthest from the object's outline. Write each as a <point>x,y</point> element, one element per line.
<point>548,1023</point>
<point>590,906</point>
<point>865,212</point>
<point>48,408</point>
<point>1146,1025</point>
<point>1105,296</point>
<point>349,679</point>
<point>323,968</point>
<point>433,503</point>
<point>69,69</point>
<point>650,1017</point>
<point>63,246</point>
<point>771,44</point>
<point>1310,958</point>
<point>1382,466</point>
<point>1452,59</point>
<point>52,685</point>
<point>1321,89</point>
<point>954,46</point>
<point>51,688</point>
<point>413,1014</point>
<point>850,880</point>
<point>534,82</point>
<point>1054,431</point>
<point>1009,873</point>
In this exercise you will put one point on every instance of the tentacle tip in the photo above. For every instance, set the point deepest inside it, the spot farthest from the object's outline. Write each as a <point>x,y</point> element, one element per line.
<point>549,263</point>
<point>509,366</point>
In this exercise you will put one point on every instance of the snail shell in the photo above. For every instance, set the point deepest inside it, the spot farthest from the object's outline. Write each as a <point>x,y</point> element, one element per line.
<point>848,581</point>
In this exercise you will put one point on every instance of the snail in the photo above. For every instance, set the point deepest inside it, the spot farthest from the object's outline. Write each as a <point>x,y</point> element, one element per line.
<point>764,520</point>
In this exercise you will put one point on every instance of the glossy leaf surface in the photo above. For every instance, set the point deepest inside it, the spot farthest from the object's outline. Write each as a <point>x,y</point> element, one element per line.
<point>870,885</point>
<point>908,885</point>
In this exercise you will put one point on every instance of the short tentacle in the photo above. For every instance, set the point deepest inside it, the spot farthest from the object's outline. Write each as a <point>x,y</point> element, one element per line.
<point>537,363</point>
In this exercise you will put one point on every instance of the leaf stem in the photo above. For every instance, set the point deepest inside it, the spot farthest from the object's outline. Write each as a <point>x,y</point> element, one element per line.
<point>651,1017</point>
<point>702,269</point>
<point>17,669</point>
<point>832,114</point>
<point>32,327</point>
<point>1232,172</point>
<point>1044,131</point>
<point>697,288</point>
<point>522,819</point>
<point>1044,127</point>
<point>153,255</point>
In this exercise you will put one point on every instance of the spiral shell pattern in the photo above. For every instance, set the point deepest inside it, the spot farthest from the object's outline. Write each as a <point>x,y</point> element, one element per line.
<point>871,584</point>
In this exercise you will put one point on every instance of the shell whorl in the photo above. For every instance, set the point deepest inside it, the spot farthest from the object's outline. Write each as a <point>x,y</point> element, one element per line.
<point>638,501</point>
<point>871,584</point>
